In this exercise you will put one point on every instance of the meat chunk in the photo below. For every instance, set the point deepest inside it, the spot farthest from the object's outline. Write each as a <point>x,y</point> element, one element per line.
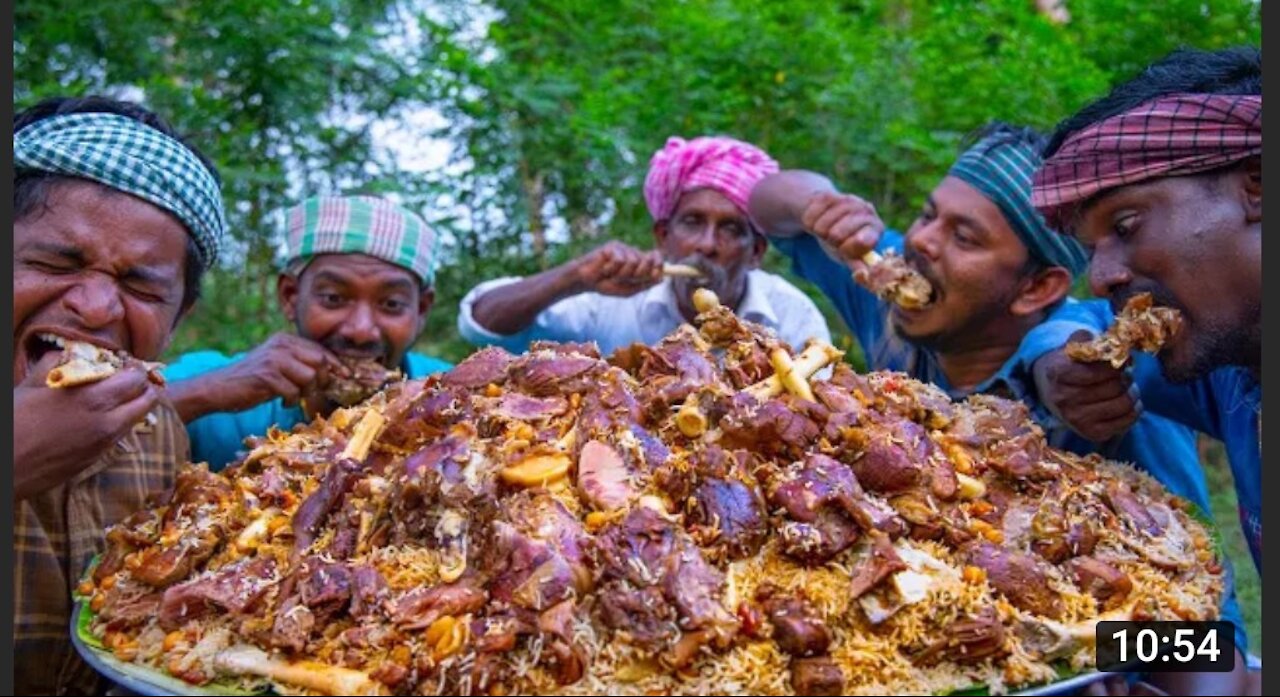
<point>334,485</point>
<point>437,474</point>
<point>193,488</point>
<point>817,542</point>
<point>420,607</point>
<point>567,660</point>
<point>816,494</point>
<point>646,552</point>
<point>125,610</point>
<point>235,589</point>
<point>520,407</point>
<point>293,626</point>
<point>1100,579</point>
<point>429,417</point>
<point>488,365</point>
<point>1020,577</point>
<point>1129,509</point>
<point>780,427</point>
<point>967,641</point>
<point>567,348</point>
<point>837,399</point>
<point>730,514</point>
<point>537,554</point>
<point>881,563</point>
<point>826,506</point>
<point>816,676</point>
<point>162,567</point>
<point>368,591</point>
<point>641,615</point>
<point>797,628</point>
<point>895,453</point>
<point>548,373</point>
<point>325,588</point>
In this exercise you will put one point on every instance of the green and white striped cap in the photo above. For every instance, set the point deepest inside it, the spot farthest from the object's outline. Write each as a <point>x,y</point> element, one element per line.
<point>361,225</point>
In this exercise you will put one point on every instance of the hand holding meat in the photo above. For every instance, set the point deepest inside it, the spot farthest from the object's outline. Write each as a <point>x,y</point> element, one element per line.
<point>851,227</point>
<point>1095,399</point>
<point>285,366</point>
<point>1140,325</point>
<point>60,432</point>
<point>619,269</point>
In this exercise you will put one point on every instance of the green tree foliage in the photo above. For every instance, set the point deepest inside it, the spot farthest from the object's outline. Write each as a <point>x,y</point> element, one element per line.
<point>553,108</point>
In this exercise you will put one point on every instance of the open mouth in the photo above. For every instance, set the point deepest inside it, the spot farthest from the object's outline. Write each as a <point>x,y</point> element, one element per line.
<point>40,344</point>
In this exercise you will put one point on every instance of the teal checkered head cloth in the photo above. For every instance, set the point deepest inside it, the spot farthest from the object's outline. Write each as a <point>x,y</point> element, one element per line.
<point>132,157</point>
<point>1001,166</point>
<point>361,225</point>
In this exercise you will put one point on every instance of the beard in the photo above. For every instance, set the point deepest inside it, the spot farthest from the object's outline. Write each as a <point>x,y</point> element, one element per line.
<point>715,279</point>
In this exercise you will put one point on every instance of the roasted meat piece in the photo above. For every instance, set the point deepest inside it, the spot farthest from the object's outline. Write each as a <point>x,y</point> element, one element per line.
<point>368,377</point>
<point>892,278</point>
<point>1140,325</point>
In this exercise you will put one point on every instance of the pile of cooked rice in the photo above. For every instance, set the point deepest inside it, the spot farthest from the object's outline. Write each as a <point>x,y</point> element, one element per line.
<point>157,599</point>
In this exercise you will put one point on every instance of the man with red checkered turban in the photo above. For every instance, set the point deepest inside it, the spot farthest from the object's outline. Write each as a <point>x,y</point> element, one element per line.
<point>1162,181</point>
<point>696,191</point>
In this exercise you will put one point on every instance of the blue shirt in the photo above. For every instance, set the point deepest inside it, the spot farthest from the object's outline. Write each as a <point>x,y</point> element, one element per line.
<point>1164,449</point>
<point>218,438</point>
<point>1225,404</point>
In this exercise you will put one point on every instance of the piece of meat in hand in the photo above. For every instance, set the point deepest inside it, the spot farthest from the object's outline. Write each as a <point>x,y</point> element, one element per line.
<point>1140,325</point>
<point>367,378</point>
<point>892,278</point>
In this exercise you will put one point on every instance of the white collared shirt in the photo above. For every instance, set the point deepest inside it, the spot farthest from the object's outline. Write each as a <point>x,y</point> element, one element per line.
<point>614,322</point>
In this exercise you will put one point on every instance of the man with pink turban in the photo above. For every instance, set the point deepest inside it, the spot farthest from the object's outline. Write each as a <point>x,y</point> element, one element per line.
<point>616,295</point>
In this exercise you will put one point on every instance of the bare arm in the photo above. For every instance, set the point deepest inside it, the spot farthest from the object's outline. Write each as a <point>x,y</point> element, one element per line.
<point>613,269</point>
<point>286,365</point>
<point>778,202</point>
<point>513,307</point>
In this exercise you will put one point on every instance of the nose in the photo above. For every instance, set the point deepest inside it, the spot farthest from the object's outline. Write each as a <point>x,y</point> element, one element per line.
<point>926,240</point>
<point>96,301</point>
<point>704,242</point>
<point>1107,271</point>
<point>361,326</point>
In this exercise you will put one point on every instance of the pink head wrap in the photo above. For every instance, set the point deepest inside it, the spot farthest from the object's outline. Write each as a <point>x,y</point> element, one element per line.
<point>728,166</point>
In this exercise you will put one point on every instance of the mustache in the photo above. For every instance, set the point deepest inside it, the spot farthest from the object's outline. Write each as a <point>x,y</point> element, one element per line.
<point>917,262</point>
<point>714,275</point>
<point>373,349</point>
<point>1160,296</point>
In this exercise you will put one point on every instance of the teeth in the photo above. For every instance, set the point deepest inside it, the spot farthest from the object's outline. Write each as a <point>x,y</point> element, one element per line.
<point>54,339</point>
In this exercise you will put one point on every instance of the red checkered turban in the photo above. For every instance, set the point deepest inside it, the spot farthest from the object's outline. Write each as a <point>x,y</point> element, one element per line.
<point>1170,136</point>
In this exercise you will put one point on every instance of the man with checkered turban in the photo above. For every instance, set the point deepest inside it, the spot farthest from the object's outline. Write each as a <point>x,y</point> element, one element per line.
<point>115,220</point>
<point>357,285</point>
<point>616,295</point>
<point>1162,181</point>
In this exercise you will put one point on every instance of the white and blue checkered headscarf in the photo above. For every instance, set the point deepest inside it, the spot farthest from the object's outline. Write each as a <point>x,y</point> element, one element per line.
<point>1001,166</point>
<point>130,156</point>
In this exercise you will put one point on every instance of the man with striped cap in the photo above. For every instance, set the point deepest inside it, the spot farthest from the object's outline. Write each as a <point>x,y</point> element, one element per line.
<point>357,286</point>
<point>1000,277</point>
<point>116,218</point>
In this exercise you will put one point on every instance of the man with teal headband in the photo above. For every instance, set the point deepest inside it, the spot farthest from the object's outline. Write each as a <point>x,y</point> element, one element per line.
<point>357,286</point>
<point>115,220</point>
<point>1000,277</point>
